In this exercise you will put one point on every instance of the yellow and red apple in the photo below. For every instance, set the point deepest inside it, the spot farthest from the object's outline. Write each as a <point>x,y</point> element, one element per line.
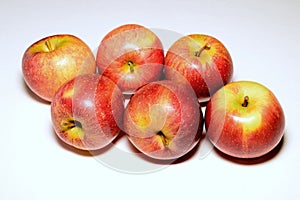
<point>131,55</point>
<point>244,119</point>
<point>87,111</point>
<point>163,120</point>
<point>50,62</point>
<point>201,61</point>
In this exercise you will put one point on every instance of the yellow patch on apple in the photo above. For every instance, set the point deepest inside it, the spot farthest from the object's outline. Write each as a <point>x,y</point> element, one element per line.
<point>68,93</point>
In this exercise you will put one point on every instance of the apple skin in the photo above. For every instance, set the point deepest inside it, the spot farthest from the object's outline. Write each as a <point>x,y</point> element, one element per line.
<point>87,111</point>
<point>50,62</point>
<point>200,60</point>
<point>163,120</point>
<point>241,127</point>
<point>131,55</point>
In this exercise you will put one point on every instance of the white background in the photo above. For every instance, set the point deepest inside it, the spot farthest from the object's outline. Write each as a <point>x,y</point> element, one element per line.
<point>263,39</point>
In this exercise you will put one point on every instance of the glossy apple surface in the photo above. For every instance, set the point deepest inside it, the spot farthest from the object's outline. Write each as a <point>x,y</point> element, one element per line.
<point>87,111</point>
<point>244,119</point>
<point>163,120</point>
<point>130,55</point>
<point>50,62</point>
<point>200,60</point>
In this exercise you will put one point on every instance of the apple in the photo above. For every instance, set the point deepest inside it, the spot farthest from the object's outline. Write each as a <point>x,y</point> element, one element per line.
<point>87,111</point>
<point>163,120</point>
<point>132,56</point>
<point>244,119</point>
<point>200,60</point>
<point>50,62</point>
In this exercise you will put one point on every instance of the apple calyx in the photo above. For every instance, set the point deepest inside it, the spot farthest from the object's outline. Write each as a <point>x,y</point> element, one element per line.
<point>72,126</point>
<point>163,138</point>
<point>246,101</point>
<point>205,47</point>
<point>71,123</point>
<point>131,66</point>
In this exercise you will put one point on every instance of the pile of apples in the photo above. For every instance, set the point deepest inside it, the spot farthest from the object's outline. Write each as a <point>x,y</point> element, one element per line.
<point>163,116</point>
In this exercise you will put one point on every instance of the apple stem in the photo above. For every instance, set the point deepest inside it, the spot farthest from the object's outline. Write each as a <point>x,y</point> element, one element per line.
<point>131,66</point>
<point>205,47</point>
<point>48,45</point>
<point>245,103</point>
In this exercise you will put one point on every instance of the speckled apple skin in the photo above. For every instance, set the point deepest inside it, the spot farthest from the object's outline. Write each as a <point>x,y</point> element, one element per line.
<point>206,73</point>
<point>244,132</point>
<point>167,107</point>
<point>46,70</point>
<point>96,103</point>
<point>131,43</point>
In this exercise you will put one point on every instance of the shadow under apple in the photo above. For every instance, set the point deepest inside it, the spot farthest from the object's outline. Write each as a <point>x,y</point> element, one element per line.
<point>189,155</point>
<point>88,153</point>
<point>254,161</point>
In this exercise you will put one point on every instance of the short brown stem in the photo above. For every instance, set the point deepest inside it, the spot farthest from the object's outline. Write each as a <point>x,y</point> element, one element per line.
<point>245,103</point>
<point>205,47</point>
<point>48,45</point>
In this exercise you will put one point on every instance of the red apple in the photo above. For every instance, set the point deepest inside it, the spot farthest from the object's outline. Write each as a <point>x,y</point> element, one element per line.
<point>130,55</point>
<point>163,120</point>
<point>200,60</point>
<point>244,119</point>
<point>87,111</point>
<point>50,62</point>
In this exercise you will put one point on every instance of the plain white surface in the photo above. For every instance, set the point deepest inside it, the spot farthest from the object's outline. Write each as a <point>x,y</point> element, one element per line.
<point>263,39</point>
